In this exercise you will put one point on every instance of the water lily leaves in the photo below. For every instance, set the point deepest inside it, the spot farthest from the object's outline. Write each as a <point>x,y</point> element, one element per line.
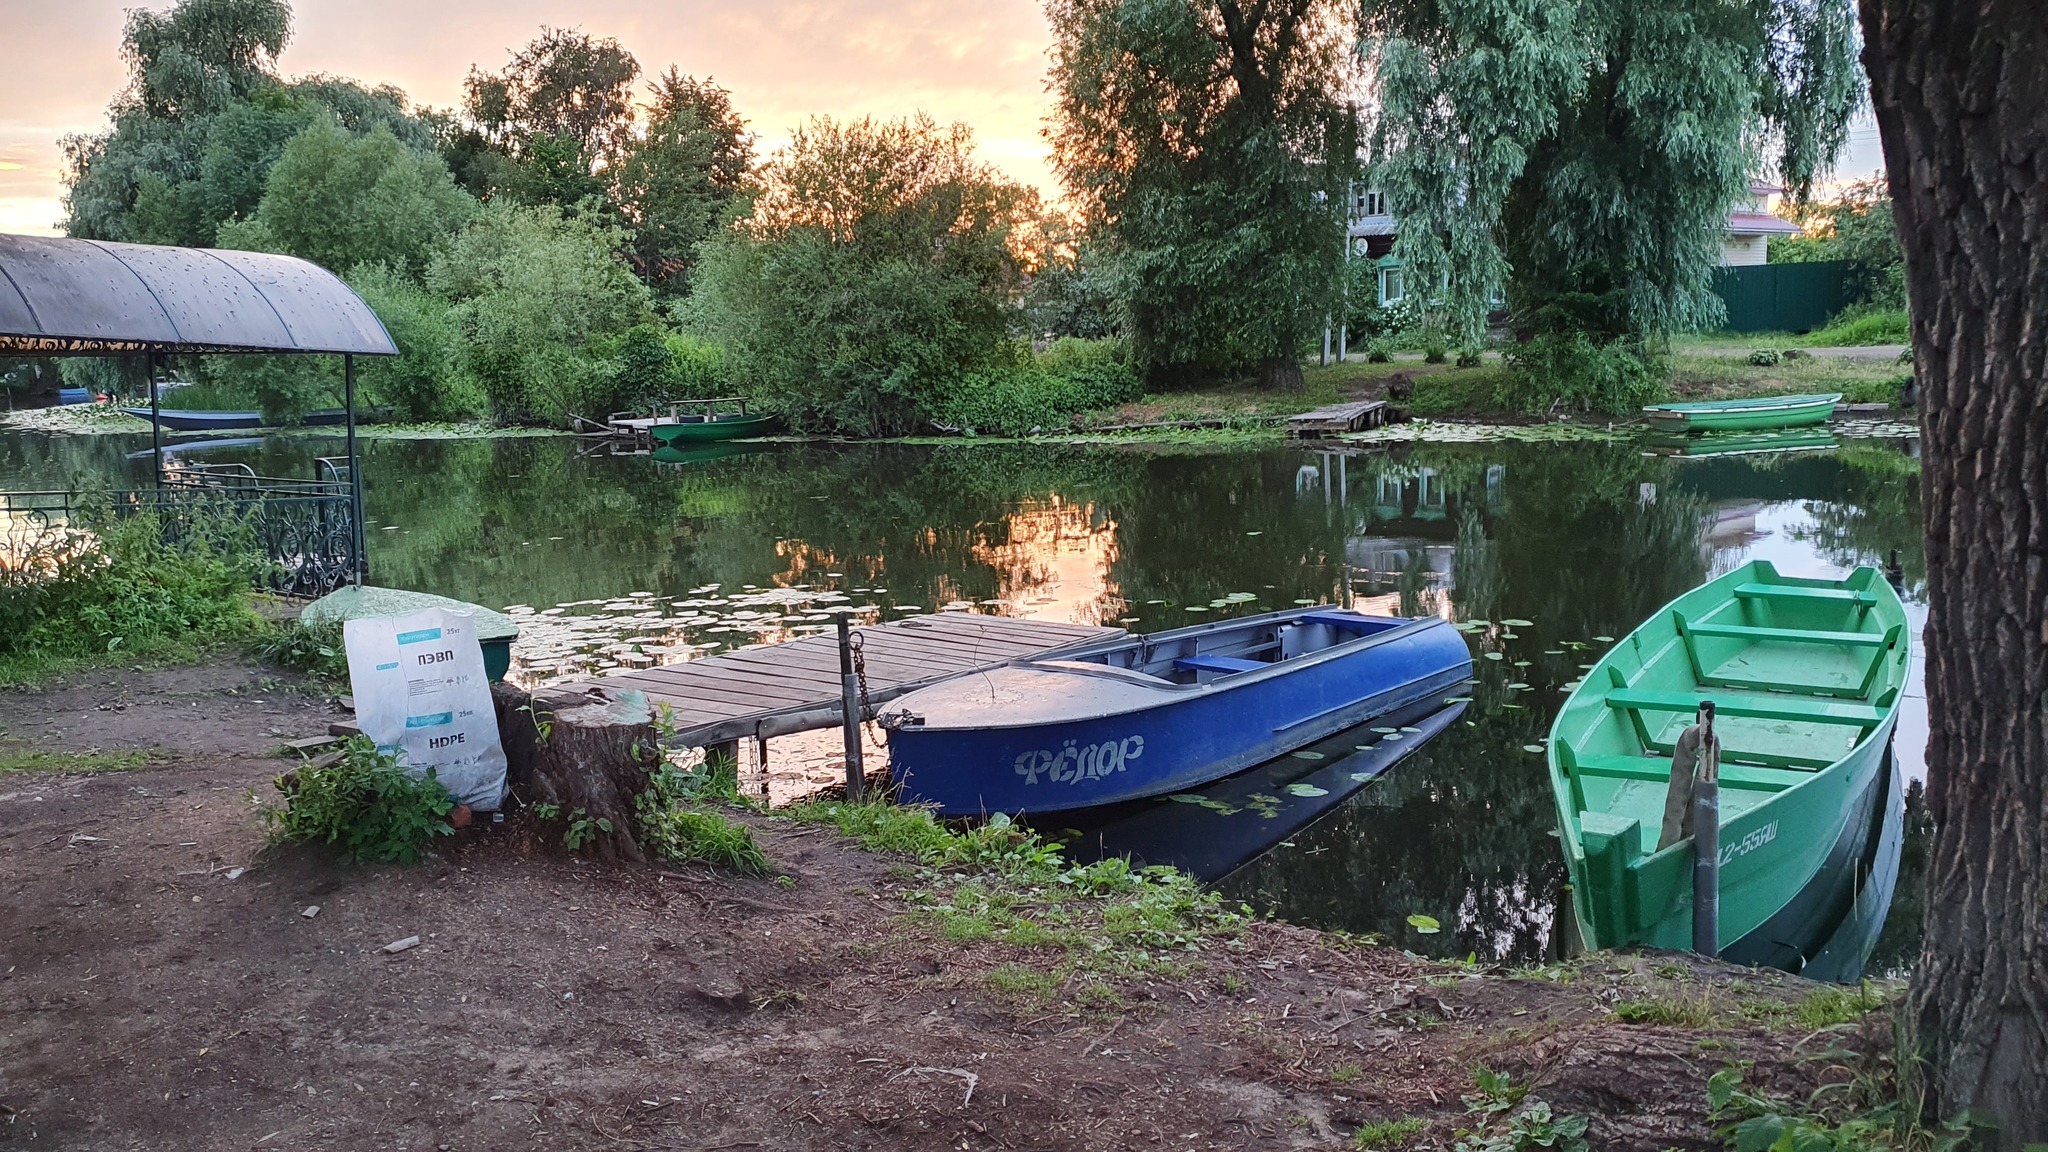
<point>1187,798</point>
<point>1256,532</point>
<point>1306,790</point>
<point>1553,651</point>
<point>1532,747</point>
<point>1519,623</point>
<point>1521,663</point>
<point>1427,925</point>
<point>1518,686</point>
<point>1604,639</point>
<point>1394,736</point>
<point>1305,754</point>
<point>1305,603</point>
<point>1481,623</point>
<point>1457,699</point>
<point>1469,628</point>
<point>1495,656</point>
<point>1384,731</point>
<point>1197,608</point>
<point>1364,777</point>
<point>1407,729</point>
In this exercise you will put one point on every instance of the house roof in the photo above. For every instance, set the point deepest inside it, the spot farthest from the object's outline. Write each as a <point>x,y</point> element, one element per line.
<point>1761,224</point>
<point>63,297</point>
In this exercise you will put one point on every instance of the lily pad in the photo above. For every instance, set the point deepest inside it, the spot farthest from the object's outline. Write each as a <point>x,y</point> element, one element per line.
<point>1521,663</point>
<point>1364,777</point>
<point>1256,532</point>
<point>1532,747</point>
<point>1519,623</point>
<point>1395,736</point>
<point>1197,608</point>
<point>1427,925</point>
<point>1306,790</point>
<point>1304,603</point>
<point>1384,731</point>
<point>1495,656</point>
<point>1604,639</point>
<point>1305,754</point>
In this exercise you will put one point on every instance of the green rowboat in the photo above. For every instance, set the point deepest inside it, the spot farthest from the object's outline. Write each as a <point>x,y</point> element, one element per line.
<point>681,430</point>
<point>1805,676</point>
<point>1731,415</point>
<point>1740,443</point>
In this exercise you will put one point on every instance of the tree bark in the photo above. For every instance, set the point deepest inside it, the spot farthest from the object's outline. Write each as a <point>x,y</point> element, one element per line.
<point>590,757</point>
<point>1281,374</point>
<point>1960,89</point>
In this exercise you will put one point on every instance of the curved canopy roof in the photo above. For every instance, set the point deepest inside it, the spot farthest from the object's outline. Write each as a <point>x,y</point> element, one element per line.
<point>61,297</point>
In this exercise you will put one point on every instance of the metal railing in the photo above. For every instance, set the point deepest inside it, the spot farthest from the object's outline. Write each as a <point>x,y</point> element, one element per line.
<point>305,530</point>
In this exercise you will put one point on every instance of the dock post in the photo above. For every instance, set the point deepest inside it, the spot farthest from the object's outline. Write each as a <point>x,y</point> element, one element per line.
<point>849,711</point>
<point>1706,841</point>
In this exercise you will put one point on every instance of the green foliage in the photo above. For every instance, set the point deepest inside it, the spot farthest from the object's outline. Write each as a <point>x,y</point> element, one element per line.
<point>1386,1135</point>
<point>313,648</point>
<point>285,388</point>
<point>875,273</point>
<point>1212,167</point>
<point>1856,327</point>
<point>531,289</point>
<point>1577,372</point>
<point>1764,358</point>
<point>676,823</point>
<point>1595,147</point>
<point>1864,1112</point>
<point>1043,392</point>
<point>1435,348</point>
<point>14,759</point>
<point>583,829</point>
<point>112,584</point>
<point>1379,350</point>
<point>421,383</point>
<point>365,805</point>
<point>1675,1011</point>
<point>341,200</point>
<point>1471,357</point>
<point>566,94</point>
<point>1500,1126</point>
<point>679,179</point>
<point>1070,296</point>
<point>697,367</point>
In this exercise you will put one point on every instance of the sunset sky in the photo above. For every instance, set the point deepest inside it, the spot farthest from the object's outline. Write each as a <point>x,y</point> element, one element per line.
<point>983,63</point>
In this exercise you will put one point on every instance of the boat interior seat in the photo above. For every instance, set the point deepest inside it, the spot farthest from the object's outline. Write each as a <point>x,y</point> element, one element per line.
<point>1766,591</point>
<point>1883,644</point>
<point>1221,665</point>
<point>1658,768</point>
<point>1346,620</point>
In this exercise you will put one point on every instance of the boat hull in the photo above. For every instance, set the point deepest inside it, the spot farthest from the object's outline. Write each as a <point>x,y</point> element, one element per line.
<point>194,420</point>
<point>1742,415</point>
<point>1198,736</point>
<point>685,433</point>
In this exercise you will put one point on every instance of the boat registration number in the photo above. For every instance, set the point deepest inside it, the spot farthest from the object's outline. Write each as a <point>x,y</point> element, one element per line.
<point>1074,762</point>
<point>1749,843</point>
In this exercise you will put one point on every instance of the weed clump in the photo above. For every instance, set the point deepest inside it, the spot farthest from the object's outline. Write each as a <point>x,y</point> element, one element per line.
<point>315,649</point>
<point>676,825</point>
<point>365,805</point>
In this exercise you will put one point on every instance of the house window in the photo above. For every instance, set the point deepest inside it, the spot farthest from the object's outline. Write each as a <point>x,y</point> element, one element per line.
<point>1390,286</point>
<point>1368,202</point>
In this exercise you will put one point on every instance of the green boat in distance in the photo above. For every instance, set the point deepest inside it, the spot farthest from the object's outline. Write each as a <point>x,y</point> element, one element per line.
<point>1741,443</point>
<point>1805,676</point>
<point>682,429</point>
<point>1733,415</point>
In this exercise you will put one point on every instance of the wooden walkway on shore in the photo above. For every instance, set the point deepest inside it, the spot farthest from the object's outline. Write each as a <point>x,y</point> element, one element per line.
<point>1336,419</point>
<point>776,689</point>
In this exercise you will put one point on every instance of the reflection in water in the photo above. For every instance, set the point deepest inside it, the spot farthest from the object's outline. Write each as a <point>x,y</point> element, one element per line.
<point>626,560</point>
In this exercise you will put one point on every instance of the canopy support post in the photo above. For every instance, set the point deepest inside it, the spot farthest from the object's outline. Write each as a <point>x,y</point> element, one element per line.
<point>156,427</point>
<point>355,474</point>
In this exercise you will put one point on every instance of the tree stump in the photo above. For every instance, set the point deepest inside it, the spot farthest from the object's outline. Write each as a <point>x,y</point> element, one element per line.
<point>590,755</point>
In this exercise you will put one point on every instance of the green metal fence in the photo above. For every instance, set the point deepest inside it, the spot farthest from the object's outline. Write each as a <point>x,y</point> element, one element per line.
<point>1784,297</point>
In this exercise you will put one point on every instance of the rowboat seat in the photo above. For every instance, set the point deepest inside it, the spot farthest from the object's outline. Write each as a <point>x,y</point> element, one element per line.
<point>1658,768</point>
<point>1342,620</point>
<point>1760,591</point>
<point>1222,665</point>
<point>1792,708</point>
<point>1845,679</point>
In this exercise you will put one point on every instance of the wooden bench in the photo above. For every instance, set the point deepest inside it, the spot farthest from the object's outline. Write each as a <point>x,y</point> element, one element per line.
<point>1687,631</point>
<point>1797,592</point>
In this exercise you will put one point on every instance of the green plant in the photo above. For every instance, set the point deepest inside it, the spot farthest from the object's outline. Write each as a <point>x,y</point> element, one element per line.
<point>1016,980</point>
<point>311,648</point>
<point>1379,350</point>
<point>1576,372</point>
<point>1436,347</point>
<point>1764,358</point>
<point>1862,1112</point>
<point>547,811</point>
<point>14,759</point>
<point>1679,1011</point>
<point>365,805</point>
<point>1470,357</point>
<point>1503,1127</point>
<point>1855,327</point>
<point>674,826</point>
<point>1387,1134</point>
<point>583,829</point>
<point>1344,1073</point>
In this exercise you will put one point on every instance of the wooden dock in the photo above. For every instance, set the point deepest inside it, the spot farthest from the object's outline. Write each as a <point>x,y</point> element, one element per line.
<point>776,689</point>
<point>1337,419</point>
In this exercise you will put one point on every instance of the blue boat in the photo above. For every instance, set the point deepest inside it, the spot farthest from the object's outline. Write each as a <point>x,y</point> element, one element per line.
<point>1151,715</point>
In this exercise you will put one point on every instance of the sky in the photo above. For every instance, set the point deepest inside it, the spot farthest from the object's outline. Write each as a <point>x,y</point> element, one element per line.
<point>983,63</point>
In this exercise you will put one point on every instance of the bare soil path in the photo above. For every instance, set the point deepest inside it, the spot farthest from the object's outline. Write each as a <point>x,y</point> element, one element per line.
<point>162,987</point>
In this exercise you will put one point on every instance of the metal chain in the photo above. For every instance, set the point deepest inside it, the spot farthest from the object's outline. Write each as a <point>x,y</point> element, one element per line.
<point>860,676</point>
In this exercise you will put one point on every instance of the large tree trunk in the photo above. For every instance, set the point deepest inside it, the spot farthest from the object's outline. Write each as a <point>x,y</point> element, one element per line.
<point>1961,94</point>
<point>1280,374</point>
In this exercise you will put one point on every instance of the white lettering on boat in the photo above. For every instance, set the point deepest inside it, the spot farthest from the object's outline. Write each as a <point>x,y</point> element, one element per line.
<point>1750,843</point>
<point>1074,762</point>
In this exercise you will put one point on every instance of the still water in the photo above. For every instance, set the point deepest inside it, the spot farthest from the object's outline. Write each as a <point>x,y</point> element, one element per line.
<point>623,560</point>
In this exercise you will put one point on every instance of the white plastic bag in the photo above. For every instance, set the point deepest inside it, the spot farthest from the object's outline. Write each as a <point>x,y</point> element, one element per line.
<point>420,690</point>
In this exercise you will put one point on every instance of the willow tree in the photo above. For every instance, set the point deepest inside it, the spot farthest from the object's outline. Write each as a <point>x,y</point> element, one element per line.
<point>1962,106</point>
<point>1582,156</point>
<point>1210,145</point>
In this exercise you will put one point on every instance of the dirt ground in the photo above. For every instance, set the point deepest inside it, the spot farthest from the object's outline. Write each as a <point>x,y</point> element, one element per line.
<point>163,987</point>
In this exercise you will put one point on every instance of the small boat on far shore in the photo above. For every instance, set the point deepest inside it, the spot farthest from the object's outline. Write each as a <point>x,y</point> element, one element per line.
<point>1740,443</point>
<point>197,420</point>
<point>1757,412</point>
<point>681,430</point>
<point>1143,716</point>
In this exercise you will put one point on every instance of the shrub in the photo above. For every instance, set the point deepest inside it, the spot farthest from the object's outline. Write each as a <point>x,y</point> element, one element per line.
<point>70,591</point>
<point>1043,392</point>
<point>1764,358</point>
<point>1435,348</point>
<point>698,367</point>
<point>1379,350</point>
<point>675,826</point>
<point>421,383</point>
<point>1470,357</point>
<point>1856,326</point>
<point>312,648</point>
<point>365,805</point>
<point>1571,370</point>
